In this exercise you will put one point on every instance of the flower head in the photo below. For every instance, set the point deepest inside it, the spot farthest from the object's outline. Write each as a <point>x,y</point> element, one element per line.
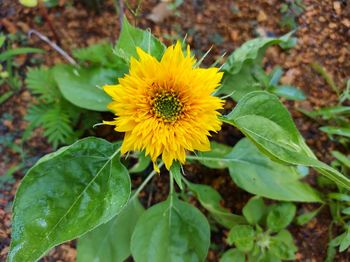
<point>166,107</point>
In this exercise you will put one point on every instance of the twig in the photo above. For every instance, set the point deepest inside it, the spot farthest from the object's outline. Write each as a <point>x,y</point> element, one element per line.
<point>45,14</point>
<point>121,12</point>
<point>326,76</point>
<point>119,7</point>
<point>53,45</point>
<point>144,183</point>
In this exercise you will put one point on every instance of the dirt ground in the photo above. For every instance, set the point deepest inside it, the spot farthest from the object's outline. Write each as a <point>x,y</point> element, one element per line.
<point>323,37</point>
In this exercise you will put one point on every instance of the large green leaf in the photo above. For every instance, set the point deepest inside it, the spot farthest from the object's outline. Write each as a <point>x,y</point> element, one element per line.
<point>259,175</point>
<point>171,231</point>
<point>19,51</point>
<point>264,120</point>
<point>66,194</point>
<point>238,70</point>
<point>110,242</point>
<point>83,87</point>
<point>210,199</point>
<point>131,37</point>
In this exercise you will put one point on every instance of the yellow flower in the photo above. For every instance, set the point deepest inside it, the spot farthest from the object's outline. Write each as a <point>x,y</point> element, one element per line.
<point>166,107</point>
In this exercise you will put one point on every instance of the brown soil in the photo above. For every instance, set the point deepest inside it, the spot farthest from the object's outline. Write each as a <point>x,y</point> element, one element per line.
<point>324,34</point>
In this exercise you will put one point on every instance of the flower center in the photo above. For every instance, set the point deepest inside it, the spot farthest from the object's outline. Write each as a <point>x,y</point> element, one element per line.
<point>167,105</point>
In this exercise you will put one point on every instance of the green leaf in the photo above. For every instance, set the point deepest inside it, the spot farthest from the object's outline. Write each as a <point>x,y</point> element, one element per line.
<point>346,211</point>
<point>345,242</point>
<point>280,216</point>
<point>29,3</point>
<point>307,217</point>
<point>336,241</point>
<point>66,194</point>
<point>339,197</point>
<point>238,84</point>
<point>2,39</point>
<point>342,158</point>
<point>289,92</point>
<point>254,210</point>
<point>175,170</point>
<point>55,119</point>
<point>238,70</point>
<point>264,120</point>
<point>171,231</point>
<point>233,255</point>
<point>101,54</point>
<point>210,199</point>
<point>83,87</point>
<point>212,158</point>
<point>142,163</point>
<point>334,130</point>
<point>242,236</point>
<point>263,257</point>
<point>5,96</point>
<point>257,174</point>
<point>329,112</point>
<point>275,76</point>
<point>110,242</point>
<point>40,81</point>
<point>131,37</point>
<point>282,245</point>
<point>331,253</point>
<point>57,125</point>
<point>19,51</point>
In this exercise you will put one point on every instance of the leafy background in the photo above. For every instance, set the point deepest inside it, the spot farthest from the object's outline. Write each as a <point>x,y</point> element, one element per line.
<point>206,25</point>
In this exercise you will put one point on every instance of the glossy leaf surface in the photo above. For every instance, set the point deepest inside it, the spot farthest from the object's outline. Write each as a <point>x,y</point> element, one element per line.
<point>256,173</point>
<point>265,121</point>
<point>66,194</point>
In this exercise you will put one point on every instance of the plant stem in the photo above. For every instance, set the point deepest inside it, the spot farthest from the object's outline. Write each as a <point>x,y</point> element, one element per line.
<point>53,45</point>
<point>144,183</point>
<point>171,195</point>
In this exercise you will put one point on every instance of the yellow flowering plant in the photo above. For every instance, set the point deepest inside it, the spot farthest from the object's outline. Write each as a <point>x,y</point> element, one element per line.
<point>168,107</point>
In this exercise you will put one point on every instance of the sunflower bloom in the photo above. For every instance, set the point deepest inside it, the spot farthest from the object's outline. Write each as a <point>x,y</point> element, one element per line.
<point>166,107</point>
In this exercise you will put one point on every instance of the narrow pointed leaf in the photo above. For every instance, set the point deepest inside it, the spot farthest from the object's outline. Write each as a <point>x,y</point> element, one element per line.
<point>254,172</point>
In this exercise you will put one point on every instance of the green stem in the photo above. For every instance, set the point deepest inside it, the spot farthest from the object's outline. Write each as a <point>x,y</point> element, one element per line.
<point>144,183</point>
<point>171,195</point>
